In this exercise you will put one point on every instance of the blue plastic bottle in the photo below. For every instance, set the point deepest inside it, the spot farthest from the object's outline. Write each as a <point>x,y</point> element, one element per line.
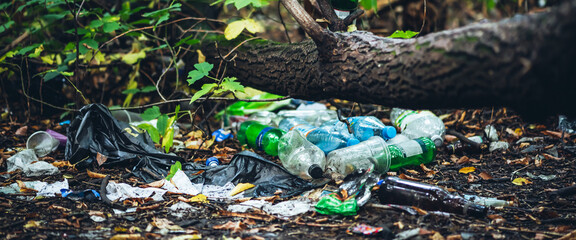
<point>364,127</point>
<point>322,137</point>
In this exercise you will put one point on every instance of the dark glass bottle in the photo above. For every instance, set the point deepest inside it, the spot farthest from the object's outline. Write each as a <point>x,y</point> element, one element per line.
<point>394,190</point>
<point>459,146</point>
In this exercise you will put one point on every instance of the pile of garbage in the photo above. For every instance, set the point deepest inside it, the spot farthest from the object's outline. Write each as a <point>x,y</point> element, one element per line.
<point>315,146</point>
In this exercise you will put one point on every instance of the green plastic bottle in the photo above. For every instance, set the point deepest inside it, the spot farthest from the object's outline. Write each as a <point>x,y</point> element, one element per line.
<point>260,136</point>
<point>343,8</point>
<point>411,153</point>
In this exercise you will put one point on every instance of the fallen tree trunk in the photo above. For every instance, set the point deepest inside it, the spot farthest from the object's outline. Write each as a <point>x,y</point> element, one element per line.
<point>526,62</point>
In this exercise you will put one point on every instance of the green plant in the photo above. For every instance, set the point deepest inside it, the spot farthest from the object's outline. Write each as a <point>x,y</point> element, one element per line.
<point>163,131</point>
<point>227,84</point>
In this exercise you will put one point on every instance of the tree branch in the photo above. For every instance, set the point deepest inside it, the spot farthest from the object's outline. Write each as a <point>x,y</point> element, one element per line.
<point>312,28</point>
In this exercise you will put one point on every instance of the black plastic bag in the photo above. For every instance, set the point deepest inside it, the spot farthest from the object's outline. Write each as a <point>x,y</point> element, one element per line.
<point>96,134</point>
<point>94,131</point>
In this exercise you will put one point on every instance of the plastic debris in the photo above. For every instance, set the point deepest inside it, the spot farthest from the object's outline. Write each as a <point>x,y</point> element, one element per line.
<point>43,189</point>
<point>183,183</point>
<point>491,133</point>
<point>565,125</point>
<point>212,162</point>
<point>284,209</point>
<point>364,229</point>
<point>58,136</point>
<point>86,195</point>
<point>42,143</point>
<point>488,201</point>
<point>221,135</point>
<point>499,145</point>
<point>301,157</point>
<point>417,124</point>
<point>28,162</point>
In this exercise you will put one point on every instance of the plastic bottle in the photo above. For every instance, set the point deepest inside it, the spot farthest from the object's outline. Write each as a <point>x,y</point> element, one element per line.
<point>394,190</point>
<point>260,136</point>
<point>314,117</point>
<point>371,154</point>
<point>239,111</point>
<point>300,157</point>
<point>264,117</point>
<point>459,146</point>
<point>212,162</point>
<point>364,127</point>
<point>241,134</point>
<point>398,139</point>
<point>322,137</point>
<point>411,153</point>
<point>416,124</point>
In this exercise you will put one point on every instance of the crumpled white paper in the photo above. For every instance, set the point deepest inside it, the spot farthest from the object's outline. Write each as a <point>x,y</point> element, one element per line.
<point>122,191</point>
<point>23,161</point>
<point>282,209</point>
<point>44,189</point>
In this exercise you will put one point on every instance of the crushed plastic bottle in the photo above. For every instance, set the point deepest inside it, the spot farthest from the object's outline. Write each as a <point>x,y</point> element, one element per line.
<point>364,127</point>
<point>416,124</point>
<point>239,111</point>
<point>300,157</point>
<point>260,136</point>
<point>428,197</point>
<point>370,154</point>
<point>323,137</point>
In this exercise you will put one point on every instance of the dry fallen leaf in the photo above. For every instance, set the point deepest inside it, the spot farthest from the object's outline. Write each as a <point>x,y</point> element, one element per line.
<point>472,178</point>
<point>21,131</point>
<point>467,170</point>
<point>463,159</point>
<point>155,184</point>
<point>523,161</point>
<point>95,175</point>
<point>62,164</point>
<point>232,226</point>
<point>485,175</point>
<point>241,187</point>
<point>404,176</point>
<point>521,181</point>
<point>133,236</point>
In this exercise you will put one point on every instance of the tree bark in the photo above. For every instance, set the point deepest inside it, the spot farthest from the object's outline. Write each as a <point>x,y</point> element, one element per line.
<point>526,62</point>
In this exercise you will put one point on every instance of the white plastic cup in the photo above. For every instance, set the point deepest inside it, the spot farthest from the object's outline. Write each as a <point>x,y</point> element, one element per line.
<point>42,143</point>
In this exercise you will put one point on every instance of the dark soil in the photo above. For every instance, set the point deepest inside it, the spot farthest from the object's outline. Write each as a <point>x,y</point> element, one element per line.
<point>538,211</point>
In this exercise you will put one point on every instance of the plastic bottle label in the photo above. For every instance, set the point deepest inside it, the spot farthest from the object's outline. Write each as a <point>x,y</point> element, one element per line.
<point>261,136</point>
<point>304,129</point>
<point>412,148</point>
<point>407,117</point>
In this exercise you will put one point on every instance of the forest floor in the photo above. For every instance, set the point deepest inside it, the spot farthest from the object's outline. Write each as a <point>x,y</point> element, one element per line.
<point>528,174</point>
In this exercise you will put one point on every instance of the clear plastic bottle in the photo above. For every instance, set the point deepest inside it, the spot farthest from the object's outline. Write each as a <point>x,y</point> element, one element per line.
<point>399,138</point>
<point>416,124</point>
<point>260,136</point>
<point>370,154</point>
<point>364,127</point>
<point>394,190</point>
<point>314,117</point>
<point>264,117</point>
<point>300,157</point>
<point>411,153</point>
<point>324,138</point>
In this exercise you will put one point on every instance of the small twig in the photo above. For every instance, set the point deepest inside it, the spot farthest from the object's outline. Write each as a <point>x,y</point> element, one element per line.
<point>464,139</point>
<point>345,121</point>
<point>282,21</point>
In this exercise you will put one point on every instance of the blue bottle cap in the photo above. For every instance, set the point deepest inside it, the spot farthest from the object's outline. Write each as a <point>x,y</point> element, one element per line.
<point>352,141</point>
<point>212,162</point>
<point>388,132</point>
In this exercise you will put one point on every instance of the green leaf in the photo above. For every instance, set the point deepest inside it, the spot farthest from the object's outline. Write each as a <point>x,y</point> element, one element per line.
<point>206,88</point>
<point>230,84</point>
<point>27,49</point>
<point>148,89</point>
<point>132,58</point>
<point>162,124</point>
<point>110,27</point>
<point>131,91</point>
<point>89,42</point>
<point>402,34</point>
<point>202,70</point>
<point>6,26</point>
<point>168,139</point>
<point>151,113</point>
<point>173,169</point>
<point>369,5</point>
<point>152,131</point>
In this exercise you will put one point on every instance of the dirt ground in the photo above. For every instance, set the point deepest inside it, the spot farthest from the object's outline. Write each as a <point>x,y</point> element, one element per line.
<point>528,174</point>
